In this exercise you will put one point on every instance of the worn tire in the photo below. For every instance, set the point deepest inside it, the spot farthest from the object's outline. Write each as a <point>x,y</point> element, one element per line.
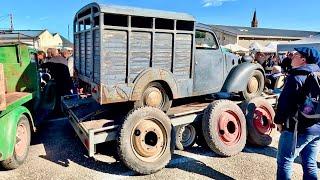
<point>224,128</point>
<point>18,158</point>
<point>144,128</point>
<point>259,115</point>
<point>166,102</point>
<point>251,91</point>
<point>185,136</point>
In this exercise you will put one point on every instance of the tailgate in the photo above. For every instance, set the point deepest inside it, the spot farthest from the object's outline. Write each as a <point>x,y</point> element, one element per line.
<point>92,122</point>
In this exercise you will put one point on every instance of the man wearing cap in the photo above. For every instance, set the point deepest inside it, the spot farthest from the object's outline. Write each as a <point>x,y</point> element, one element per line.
<point>306,142</point>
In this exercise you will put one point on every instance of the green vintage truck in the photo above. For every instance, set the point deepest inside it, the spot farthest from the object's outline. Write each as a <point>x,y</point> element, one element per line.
<point>19,95</point>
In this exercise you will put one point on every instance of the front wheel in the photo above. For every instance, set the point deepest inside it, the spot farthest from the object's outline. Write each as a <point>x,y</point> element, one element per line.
<point>255,85</point>
<point>21,147</point>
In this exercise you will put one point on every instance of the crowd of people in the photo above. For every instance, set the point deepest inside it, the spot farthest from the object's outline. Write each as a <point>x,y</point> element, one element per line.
<point>59,65</point>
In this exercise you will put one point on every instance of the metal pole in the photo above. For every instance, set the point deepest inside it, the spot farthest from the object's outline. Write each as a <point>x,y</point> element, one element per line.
<point>11,22</point>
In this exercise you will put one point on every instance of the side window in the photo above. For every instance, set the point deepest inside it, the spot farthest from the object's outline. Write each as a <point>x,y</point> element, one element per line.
<point>205,40</point>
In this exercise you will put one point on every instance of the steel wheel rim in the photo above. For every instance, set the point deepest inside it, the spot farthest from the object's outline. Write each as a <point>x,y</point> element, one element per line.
<point>187,135</point>
<point>153,97</point>
<point>262,120</point>
<point>21,140</point>
<point>149,140</point>
<point>229,128</point>
<point>253,85</point>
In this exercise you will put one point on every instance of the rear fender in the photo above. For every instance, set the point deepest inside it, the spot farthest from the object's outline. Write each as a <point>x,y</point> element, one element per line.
<point>151,75</point>
<point>8,129</point>
<point>238,77</point>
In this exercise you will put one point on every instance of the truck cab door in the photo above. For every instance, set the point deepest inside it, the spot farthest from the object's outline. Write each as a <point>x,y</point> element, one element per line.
<point>209,64</point>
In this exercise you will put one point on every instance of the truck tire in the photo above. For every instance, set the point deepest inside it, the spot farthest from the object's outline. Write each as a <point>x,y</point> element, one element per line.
<point>154,95</point>
<point>145,144</point>
<point>255,85</point>
<point>260,115</point>
<point>185,136</point>
<point>21,148</point>
<point>224,128</point>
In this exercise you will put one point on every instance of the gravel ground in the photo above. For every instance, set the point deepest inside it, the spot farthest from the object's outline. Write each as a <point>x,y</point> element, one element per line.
<point>57,153</point>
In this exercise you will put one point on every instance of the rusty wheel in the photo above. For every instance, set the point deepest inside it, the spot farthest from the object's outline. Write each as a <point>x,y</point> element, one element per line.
<point>148,140</point>
<point>154,95</point>
<point>145,144</point>
<point>224,127</point>
<point>255,85</point>
<point>21,147</point>
<point>259,114</point>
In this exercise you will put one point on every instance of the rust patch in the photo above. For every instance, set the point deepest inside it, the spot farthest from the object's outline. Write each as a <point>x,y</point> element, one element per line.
<point>2,89</point>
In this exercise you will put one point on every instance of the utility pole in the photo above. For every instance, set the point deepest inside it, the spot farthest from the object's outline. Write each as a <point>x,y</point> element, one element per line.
<point>11,22</point>
<point>68,33</point>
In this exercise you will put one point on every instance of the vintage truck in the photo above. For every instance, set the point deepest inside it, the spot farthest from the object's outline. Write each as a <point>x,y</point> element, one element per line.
<point>133,62</point>
<point>19,93</point>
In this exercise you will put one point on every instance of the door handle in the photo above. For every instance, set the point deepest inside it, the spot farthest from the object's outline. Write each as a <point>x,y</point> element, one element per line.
<point>196,62</point>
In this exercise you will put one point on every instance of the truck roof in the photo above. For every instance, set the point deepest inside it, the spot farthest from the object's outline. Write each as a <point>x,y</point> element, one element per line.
<point>125,10</point>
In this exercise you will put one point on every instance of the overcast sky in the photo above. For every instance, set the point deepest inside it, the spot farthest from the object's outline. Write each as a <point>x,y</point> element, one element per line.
<point>280,14</point>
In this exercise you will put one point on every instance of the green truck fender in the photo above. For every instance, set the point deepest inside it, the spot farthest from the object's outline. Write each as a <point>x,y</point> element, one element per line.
<point>8,129</point>
<point>239,76</point>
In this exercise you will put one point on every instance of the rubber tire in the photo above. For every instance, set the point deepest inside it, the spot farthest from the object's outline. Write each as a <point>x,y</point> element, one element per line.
<point>179,145</point>
<point>260,77</point>
<point>125,151</point>
<point>14,161</point>
<point>167,102</point>
<point>254,137</point>
<point>210,126</point>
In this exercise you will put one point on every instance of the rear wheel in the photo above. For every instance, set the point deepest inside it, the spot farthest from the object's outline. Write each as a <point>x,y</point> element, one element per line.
<point>259,114</point>
<point>145,142</point>
<point>224,128</point>
<point>154,96</point>
<point>255,85</point>
<point>21,147</point>
<point>185,136</point>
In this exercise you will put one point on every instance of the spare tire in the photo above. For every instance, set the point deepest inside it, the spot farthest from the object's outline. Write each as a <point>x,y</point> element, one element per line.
<point>145,144</point>
<point>260,115</point>
<point>185,136</point>
<point>224,128</point>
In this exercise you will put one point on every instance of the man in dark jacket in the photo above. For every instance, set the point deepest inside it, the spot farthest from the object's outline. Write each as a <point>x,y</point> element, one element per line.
<point>307,141</point>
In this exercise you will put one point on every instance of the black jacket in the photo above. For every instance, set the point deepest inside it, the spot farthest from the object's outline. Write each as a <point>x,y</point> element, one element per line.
<point>60,73</point>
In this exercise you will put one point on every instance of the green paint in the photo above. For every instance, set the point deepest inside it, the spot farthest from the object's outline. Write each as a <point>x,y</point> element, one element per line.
<point>21,75</point>
<point>8,129</point>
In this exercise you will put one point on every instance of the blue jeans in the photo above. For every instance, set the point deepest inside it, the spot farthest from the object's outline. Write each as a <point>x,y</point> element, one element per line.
<point>307,147</point>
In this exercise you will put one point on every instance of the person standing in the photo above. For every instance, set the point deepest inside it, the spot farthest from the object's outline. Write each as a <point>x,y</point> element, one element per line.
<point>306,142</point>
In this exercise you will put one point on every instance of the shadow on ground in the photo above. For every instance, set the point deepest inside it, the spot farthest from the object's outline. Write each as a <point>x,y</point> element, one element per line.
<point>62,146</point>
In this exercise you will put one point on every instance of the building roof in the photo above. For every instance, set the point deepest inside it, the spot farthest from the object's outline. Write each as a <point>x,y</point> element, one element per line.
<point>30,33</point>
<point>249,31</point>
<point>113,9</point>
<point>66,42</point>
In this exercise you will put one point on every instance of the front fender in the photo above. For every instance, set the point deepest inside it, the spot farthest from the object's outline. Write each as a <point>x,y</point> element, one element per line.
<point>238,77</point>
<point>150,75</point>
<point>8,129</point>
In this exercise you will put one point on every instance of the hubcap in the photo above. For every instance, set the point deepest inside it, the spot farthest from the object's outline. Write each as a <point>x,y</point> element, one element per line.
<point>21,140</point>
<point>253,85</point>
<point>187,135</point>
<point>153,97</point>
<point>149,140</point>
<point>262,120</point>
<point>229,128</point>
